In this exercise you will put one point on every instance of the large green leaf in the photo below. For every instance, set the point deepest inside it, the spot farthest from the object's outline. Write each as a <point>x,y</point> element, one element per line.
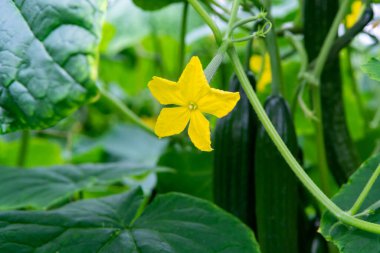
<point>372,68</point>
<point>347,238</point>
<point>154,4</point>
<point>172,223</point>
<point>43,187</point>
<point>47,59</point>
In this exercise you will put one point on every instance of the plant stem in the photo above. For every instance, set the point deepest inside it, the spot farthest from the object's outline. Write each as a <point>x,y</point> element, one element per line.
<point>329,41</point>
<point>23,151</point>
<point>275,62</point>
<point>128,113</point>
<point>204,15</point>
<point>182,45</point>
<point>220,6</point>
<point>355,208</point>
<point>233,17</point>
<point>289,158</point>
<point>214,64</point>
<point>320,144</point>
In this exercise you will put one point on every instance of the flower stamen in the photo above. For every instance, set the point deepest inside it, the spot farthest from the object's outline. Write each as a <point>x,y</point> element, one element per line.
<point>192,106</point>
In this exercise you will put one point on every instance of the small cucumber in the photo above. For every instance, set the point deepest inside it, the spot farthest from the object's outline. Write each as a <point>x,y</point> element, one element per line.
<point>276,185</point>
<point>234,158</point>
<point>341,154</point>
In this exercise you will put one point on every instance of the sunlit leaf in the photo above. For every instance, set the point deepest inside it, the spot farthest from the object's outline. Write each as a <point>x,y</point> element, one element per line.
<point>372,68</point>
<point>47,60</point>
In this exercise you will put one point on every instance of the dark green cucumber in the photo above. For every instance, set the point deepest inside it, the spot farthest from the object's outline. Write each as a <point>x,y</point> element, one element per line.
<point>234,158</point>
<point>275,183</point>
<point>341,154</point>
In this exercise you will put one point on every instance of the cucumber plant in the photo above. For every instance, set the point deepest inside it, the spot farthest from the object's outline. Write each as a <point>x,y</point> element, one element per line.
<point>112,187</point>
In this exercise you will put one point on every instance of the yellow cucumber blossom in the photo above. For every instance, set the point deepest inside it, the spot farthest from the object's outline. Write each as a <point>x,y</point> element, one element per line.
<point>192,96</point>
<point>255,64</point>
<point>356,9</point>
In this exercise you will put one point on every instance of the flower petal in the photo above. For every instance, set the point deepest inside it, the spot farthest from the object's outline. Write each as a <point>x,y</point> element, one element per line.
<point>193,83</point>
<point>218,102</point>
<point>165,91</point>
<point>172,121</point>
<point>199,131</point>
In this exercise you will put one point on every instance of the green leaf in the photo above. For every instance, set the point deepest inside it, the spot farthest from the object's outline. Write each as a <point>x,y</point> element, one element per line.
<point>126,142</point>
<point>372,69</point>
<point>152,5</point>
<point>48,52</point>
<point>41,152</point>
<point>172,223</point>
<point>349,239</point>
<point>43,187</point>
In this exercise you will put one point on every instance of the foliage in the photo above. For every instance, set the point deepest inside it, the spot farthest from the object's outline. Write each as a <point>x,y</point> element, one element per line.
<point>153,4</point>
<point>49,60</point>
<point>116,224</point>
<point>41,188</point>
<point>348,239</point>
<point>81,169</point>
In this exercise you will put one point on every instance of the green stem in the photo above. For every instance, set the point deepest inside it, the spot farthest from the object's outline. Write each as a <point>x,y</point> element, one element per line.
<point>320,144</point>
<point>220,6</point>
<point>289,158</point>
<point>204,15</point>
<point>245,21</point>
<point>298,46</point>
<point>233,17</point>
<point>275,61</point>
<point>128,113</point>
<point>355,208</point>
<point>329,41</point>
<point>182,45</point>
<point>23,151</point>
<point>214,64</point>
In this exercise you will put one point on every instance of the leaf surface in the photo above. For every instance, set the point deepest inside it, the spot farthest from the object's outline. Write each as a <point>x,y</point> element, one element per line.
<point>349,239</point>
<point>152,5</point>
<point>372,68</point>
<point>43,187</point>
<point>172,223</point>
<point>48,52</point>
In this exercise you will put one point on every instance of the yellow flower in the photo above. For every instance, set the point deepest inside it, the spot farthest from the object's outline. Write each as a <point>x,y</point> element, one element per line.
<point>356,9</point>
<point>192,96</point>
<point>257,66</point>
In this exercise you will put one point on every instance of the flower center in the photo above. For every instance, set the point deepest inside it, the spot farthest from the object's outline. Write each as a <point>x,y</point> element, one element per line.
<point>192,106</point>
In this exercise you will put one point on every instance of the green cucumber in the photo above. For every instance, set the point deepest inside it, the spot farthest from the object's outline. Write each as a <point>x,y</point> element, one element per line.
<point>341,154</point>
<point>276,185</point>
<point>234,142</point>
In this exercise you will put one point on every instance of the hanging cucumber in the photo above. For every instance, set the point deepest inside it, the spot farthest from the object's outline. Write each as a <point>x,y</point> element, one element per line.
<point>234,158</point>
<point>275,183</point>
<point>341,154</point>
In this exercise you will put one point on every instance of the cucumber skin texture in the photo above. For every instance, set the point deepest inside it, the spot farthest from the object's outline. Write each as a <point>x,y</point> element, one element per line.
<point>341,154</point>
<point>276,185</point>
<point>234,141</point>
